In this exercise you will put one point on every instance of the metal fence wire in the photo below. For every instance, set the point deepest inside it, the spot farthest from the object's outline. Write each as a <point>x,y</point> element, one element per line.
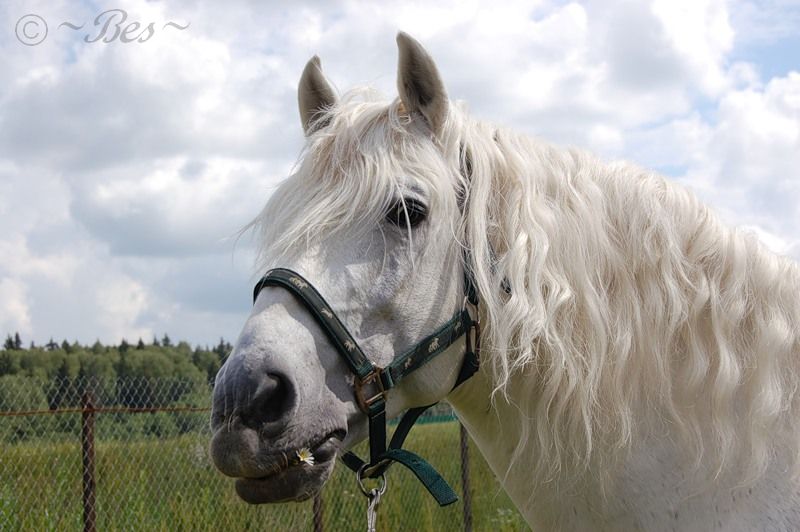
<point>132,454</point>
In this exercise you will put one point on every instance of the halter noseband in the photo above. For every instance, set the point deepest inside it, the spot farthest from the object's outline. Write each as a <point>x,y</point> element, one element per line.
<point>373,382</point>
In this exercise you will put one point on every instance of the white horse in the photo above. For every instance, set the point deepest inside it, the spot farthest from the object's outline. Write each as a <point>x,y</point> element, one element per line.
<point>640,361</point>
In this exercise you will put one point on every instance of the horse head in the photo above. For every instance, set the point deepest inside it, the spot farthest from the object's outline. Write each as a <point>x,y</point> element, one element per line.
<point>371,217</point>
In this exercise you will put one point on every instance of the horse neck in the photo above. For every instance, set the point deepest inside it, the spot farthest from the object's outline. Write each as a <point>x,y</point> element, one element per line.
<point>637,496</point>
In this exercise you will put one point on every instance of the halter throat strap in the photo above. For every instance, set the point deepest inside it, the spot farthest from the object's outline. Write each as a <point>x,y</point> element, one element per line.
<point>372,382</point>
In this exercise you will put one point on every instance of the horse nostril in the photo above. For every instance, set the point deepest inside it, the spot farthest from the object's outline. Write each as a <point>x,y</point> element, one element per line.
<point>270,404</point>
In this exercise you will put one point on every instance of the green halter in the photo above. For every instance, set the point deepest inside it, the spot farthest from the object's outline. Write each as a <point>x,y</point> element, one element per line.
<point>373,382</point>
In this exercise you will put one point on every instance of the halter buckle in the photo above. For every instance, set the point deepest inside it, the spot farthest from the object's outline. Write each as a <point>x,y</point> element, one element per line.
<point>473,333</point>
<point>373,376</point>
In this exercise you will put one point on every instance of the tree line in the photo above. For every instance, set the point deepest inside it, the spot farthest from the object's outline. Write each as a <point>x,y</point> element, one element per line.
<point>158,377</point>
<point>156,359</point>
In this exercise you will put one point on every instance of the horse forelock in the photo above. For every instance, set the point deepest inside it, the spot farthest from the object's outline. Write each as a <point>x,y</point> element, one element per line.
<point>348,174</point>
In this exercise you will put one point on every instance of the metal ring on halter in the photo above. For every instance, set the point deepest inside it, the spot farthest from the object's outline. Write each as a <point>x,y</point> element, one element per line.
<point>473,312</point>
<point>364,490</point>
<point>473,335</point>
<point>473,309</point>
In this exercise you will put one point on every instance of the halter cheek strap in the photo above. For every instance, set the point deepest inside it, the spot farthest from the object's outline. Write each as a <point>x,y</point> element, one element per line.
<point>372,382</point>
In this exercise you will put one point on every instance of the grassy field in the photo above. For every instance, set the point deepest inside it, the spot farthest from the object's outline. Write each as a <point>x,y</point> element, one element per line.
<point>171,485</point>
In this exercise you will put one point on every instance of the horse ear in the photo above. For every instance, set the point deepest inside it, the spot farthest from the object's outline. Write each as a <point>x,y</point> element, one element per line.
<point>314,95</point>
<point>419,84</point>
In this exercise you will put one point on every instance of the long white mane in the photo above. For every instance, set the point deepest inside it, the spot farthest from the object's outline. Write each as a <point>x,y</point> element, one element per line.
<point>629,299</point>
<point>631,306</point>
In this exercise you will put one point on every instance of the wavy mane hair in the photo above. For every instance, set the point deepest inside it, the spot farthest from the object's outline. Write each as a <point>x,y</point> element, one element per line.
<point>631,306</point>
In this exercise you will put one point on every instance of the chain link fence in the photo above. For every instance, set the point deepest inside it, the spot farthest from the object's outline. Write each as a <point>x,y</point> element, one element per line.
<point>132,454</point>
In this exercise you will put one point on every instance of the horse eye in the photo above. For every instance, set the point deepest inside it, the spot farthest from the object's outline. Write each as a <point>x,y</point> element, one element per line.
<point>415,211</point>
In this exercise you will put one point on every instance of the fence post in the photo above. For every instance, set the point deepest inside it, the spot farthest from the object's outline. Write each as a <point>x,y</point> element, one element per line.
<point>87,446</point>
<point>318,512</point>
<point>467,508</point>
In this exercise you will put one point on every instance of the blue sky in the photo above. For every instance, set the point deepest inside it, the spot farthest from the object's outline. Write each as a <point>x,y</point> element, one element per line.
<point>126,168</point>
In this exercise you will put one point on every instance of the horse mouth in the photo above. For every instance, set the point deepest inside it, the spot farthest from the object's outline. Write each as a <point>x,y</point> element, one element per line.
<point>297,476</point>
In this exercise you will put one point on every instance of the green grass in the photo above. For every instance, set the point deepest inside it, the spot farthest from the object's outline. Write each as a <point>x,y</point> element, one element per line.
<point>150,484</point>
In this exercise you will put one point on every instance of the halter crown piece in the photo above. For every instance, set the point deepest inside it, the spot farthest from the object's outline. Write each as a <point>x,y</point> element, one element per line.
<point>372,382</point>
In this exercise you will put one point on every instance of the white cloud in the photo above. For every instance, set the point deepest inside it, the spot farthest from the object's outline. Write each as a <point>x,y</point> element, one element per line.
<point>120,301</point>
<point>123,167</point>
<point>20,261</point>
<point>701,34</point>
<point>766,21</point>
<point>14,310</point>
<point>172,207</point>
<point>748,161</point>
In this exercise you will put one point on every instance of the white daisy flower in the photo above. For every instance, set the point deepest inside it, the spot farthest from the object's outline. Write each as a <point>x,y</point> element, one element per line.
<point>305,456</point>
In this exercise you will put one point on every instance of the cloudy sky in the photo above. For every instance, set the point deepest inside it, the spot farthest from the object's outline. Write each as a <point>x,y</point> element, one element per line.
<point>126,167</point>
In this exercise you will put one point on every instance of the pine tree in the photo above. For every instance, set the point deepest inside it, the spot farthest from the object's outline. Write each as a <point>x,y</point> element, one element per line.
<point>165,341</point>
<point>223,349</point>
<point>17,341</point>
<point>51,345</point>
<point>155,342</point>
<point>9,344</point>
<point>124,346</point>
<point>140,345</point>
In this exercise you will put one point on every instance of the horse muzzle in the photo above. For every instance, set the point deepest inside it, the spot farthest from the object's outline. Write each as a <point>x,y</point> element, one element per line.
<point>266,475</point>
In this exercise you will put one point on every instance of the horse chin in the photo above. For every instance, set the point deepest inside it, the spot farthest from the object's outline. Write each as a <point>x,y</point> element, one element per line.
<point>297,483</point>
<point>291,478</point>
